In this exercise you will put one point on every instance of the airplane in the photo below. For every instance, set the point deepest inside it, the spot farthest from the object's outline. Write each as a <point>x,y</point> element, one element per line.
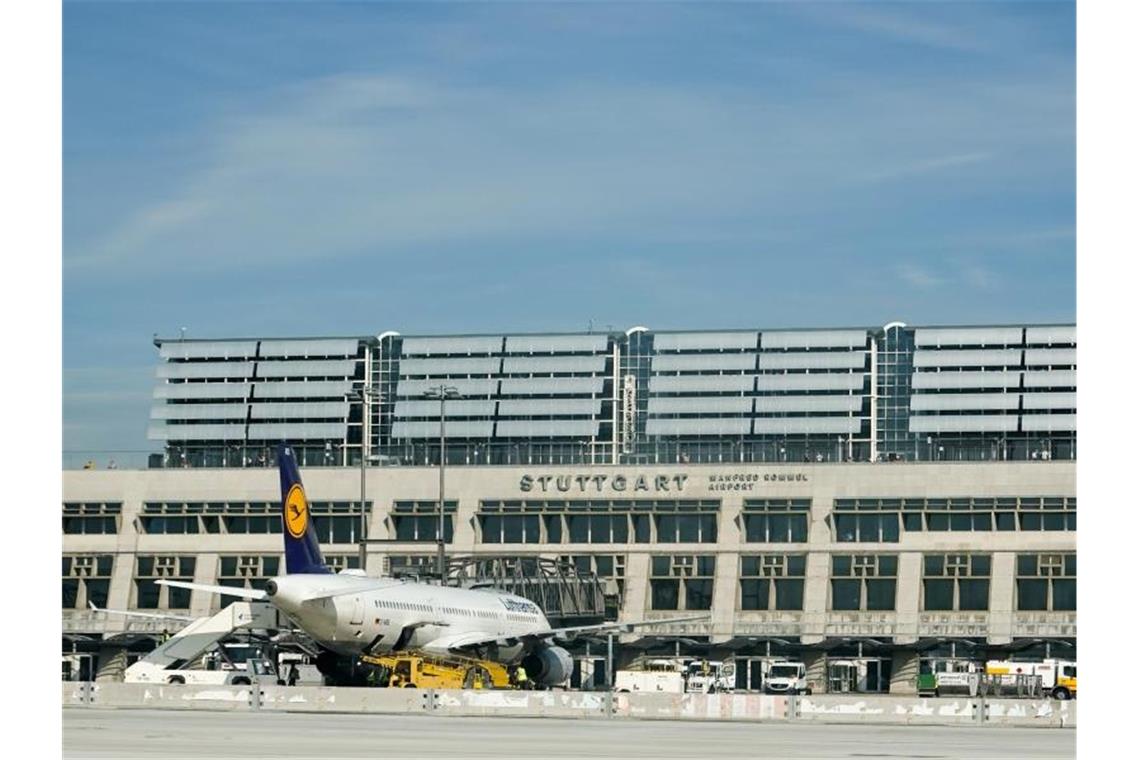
<point>348,614</point>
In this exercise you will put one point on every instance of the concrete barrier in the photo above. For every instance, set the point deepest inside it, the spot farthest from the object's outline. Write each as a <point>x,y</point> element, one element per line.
<point>701,706</point>
<point>180,697</point>
<point>76,692</point>
<point>343,699</point>
<point>568,704</point>
<point>1037,712</point>
<point>553,704</point>
<point>882,709</point>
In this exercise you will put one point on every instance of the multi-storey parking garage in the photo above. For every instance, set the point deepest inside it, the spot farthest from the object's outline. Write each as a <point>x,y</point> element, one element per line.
<point>886,494</point>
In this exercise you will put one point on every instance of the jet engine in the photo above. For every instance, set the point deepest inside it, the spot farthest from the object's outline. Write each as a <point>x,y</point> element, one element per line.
<point>548,666</point>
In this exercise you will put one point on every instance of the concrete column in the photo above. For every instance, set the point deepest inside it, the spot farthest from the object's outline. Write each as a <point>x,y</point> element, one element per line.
<point>815,596</point>
<point>377,518</point>
<point>815,663</point>
<point>112,661</point>
<point>908,597</point>
<point>1003,596</point>
<point>465,531</point>
<point>122,583</point>
<point>636,601</point>
<point>205,571</point>
<point>904,673</point>
<point>724,596</point>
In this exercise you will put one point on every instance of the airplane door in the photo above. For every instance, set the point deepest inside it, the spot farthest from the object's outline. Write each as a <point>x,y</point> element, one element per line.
<point>357,611</point>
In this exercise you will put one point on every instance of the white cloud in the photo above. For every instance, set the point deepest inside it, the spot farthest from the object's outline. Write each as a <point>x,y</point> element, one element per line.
<point>381,166</point>
<point>926,166</point>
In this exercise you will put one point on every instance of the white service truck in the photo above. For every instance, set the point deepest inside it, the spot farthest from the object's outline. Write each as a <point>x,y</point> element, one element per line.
<point>676,676</point>
<point>787,678</point>
<point>666,676</point>
<point>709,677</point>
<point>1058,677</point>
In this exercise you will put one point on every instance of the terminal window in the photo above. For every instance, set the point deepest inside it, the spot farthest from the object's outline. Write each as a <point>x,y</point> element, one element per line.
<point>338,562</point>
<point>599,521</point>
<point>605,566</point>
<point>682,582</point>
<point>867,520</point>
<point>86,578</point>
<point>409,564</point>
<point>91,518</point>
<point>1047,582</point>
<point>955,582</point>
<point>863,581</point>
<point>855,519</point>
<point>247,570</point>
<point>772,581</point>
<point>149,568</point>
<point>776,521</point>
<point>419,520</point>
<point>335,522</point>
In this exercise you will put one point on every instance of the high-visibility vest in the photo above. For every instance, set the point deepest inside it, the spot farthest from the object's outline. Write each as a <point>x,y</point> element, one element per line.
<point>521,675</point>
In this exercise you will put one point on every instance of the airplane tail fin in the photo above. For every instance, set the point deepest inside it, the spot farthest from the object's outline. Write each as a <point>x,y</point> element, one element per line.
<point>302,549</point>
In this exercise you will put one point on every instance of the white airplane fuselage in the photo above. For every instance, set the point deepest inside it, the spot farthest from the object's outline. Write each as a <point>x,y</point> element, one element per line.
<point>354,614</point>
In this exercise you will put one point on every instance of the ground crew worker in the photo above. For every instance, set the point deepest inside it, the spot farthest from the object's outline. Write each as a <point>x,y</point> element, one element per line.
<point>520,677</point>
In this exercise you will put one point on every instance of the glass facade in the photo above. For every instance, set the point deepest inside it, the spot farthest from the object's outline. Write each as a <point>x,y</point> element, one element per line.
<point>149,568</point>
<point>772,581</point>
<point>639,397</point>
<point>682,582</point>
<point>1047,582</point>
<point>86,580</point>
<point>956,582</point>
<point>863,581</point>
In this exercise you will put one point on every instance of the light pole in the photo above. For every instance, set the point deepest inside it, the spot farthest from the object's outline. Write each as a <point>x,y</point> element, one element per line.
<point>443,393</point>
<point>364,395</point>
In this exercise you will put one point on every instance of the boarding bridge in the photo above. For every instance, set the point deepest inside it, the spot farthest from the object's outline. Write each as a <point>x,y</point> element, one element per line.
<point>567,596</point>
<point>202,635</point>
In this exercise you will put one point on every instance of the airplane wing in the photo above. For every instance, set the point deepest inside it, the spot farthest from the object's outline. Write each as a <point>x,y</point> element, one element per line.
<point>244,593</point>
<point>461,641</point>
<point>132,613</point>
<point>615,627</point>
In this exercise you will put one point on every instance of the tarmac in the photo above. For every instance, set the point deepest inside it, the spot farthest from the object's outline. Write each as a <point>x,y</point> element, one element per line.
<point>104,733</point>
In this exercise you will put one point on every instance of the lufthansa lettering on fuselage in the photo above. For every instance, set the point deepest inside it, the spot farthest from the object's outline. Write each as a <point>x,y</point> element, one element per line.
<point>603,483</point>
<point>517,605</point>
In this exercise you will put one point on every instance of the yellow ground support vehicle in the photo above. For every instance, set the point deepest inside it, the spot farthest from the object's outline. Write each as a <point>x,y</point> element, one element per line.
<point>416,670</point>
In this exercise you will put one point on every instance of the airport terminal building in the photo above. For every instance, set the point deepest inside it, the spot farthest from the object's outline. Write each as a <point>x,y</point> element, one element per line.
<point>891,494</point>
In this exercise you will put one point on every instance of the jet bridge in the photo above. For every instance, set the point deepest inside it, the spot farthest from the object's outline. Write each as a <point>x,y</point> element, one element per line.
<point>567,595</point>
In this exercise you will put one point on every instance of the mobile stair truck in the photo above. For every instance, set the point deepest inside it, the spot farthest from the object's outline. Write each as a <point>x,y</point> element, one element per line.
<point>197,654</point>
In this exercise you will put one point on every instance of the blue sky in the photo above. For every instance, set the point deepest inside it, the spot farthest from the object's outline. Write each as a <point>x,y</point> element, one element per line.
<point>341,169</point>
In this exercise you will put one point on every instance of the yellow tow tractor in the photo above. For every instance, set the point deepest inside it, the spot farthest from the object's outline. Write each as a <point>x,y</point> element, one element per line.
<point>417,670</point>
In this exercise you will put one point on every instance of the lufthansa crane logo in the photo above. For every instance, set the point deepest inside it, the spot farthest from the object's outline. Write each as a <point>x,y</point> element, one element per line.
<point>296,512</point>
